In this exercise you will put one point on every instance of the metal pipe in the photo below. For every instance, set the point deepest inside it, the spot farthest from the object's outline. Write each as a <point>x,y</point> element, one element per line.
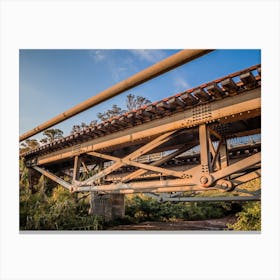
<point>137,185</point>
<point>212,199</point>
<point>145,75</point>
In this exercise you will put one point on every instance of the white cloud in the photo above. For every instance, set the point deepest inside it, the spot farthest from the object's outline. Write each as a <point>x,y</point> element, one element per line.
<point>97,55</point>
<point>180,83</point>
<point>122,68</point>
<point>149,55</point>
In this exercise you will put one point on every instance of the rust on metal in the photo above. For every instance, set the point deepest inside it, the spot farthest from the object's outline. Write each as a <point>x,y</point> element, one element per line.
<point>100,130</point>
<point>126,148</point>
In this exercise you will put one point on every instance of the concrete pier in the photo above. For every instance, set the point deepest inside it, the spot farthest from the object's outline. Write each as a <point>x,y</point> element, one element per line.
<point>108,206</point>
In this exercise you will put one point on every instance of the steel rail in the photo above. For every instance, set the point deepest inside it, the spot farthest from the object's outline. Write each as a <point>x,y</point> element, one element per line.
<point>145,75</point>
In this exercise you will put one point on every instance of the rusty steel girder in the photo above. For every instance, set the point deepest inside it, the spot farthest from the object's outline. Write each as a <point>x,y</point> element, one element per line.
<point>206,116</point>
<point>201,177</point>
<point>244,106</point>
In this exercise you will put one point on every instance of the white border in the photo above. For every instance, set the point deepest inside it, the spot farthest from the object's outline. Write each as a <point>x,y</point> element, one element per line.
<point>133,24</point>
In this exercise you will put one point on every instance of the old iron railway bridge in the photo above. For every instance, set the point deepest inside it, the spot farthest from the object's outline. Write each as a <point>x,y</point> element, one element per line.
<point>147,150</point>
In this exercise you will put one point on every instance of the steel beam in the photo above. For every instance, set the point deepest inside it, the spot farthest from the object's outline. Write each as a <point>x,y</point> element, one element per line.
<point>140,172</point>
<point>233,183</point>
<point>76,170</point>
<point>204,149</point>
<point>238,166</point>
<point>53,177</point>
<point>145,75</point>
<point>139,185</point>
<point>215,163</point>
<point>146,148</point>
<point>246,178</point>
<point>223,154</point>
<point>118,177</point>
<point>213,132</point>
<point>85,167</point>
<point>247,103</point>
<point>125,161</point>
<point>193,182</point>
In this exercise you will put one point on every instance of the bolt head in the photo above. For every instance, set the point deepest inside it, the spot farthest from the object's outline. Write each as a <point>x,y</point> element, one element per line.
<point>203,180</point>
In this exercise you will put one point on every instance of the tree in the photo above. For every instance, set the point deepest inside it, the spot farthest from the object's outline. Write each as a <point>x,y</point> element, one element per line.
<point>28,145</point>
<point>114,111</point>
<point>51,135</point>
<point>93,123</point>
<point>79,128</point>
<point>134,102</point>
<point>75,129</point>
<point>83,125</point>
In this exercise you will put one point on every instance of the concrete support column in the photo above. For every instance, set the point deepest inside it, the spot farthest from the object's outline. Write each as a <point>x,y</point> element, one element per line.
<point>108,206</point>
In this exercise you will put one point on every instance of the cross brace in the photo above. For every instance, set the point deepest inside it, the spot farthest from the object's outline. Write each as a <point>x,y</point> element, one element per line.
<point>125,161</point>
<point>128,159</point>
<point>53,177</point>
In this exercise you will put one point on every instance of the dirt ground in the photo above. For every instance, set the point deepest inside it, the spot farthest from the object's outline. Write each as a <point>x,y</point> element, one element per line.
<point>213,224</point>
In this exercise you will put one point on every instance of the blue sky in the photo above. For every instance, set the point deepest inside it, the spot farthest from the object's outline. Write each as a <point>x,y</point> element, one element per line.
<point>52,81</point>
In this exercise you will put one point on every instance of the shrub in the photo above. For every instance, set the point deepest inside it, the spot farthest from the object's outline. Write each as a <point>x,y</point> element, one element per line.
<point>60,210</point>
<point>141,207</point>
<point>249,218</point>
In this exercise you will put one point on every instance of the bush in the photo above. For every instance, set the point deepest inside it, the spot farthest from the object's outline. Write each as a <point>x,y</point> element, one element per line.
<point>249,218</point>
<point>141,208</point>
<point>60,210</point>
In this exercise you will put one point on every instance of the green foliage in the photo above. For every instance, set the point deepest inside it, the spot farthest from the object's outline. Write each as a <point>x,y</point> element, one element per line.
<point>134,102</point>
<point>46,207</point>
<point>60,210</point>
<point>51,135</point>
<point>28,145</point>
<point>23,180</point>
<point>114,111</point>
<point>140,208</point>
<point>249,218</point>
<point>78,128</point>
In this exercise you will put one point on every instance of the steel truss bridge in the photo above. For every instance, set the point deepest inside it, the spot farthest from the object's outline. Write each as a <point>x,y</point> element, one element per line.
<point>149,150</point>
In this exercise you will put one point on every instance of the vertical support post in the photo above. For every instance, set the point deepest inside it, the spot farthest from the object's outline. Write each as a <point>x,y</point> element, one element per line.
<point>76,170</point>
<point>215,163</point>
<point>205,159</point>
<point>223,154</point>
<point>100,168</point>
